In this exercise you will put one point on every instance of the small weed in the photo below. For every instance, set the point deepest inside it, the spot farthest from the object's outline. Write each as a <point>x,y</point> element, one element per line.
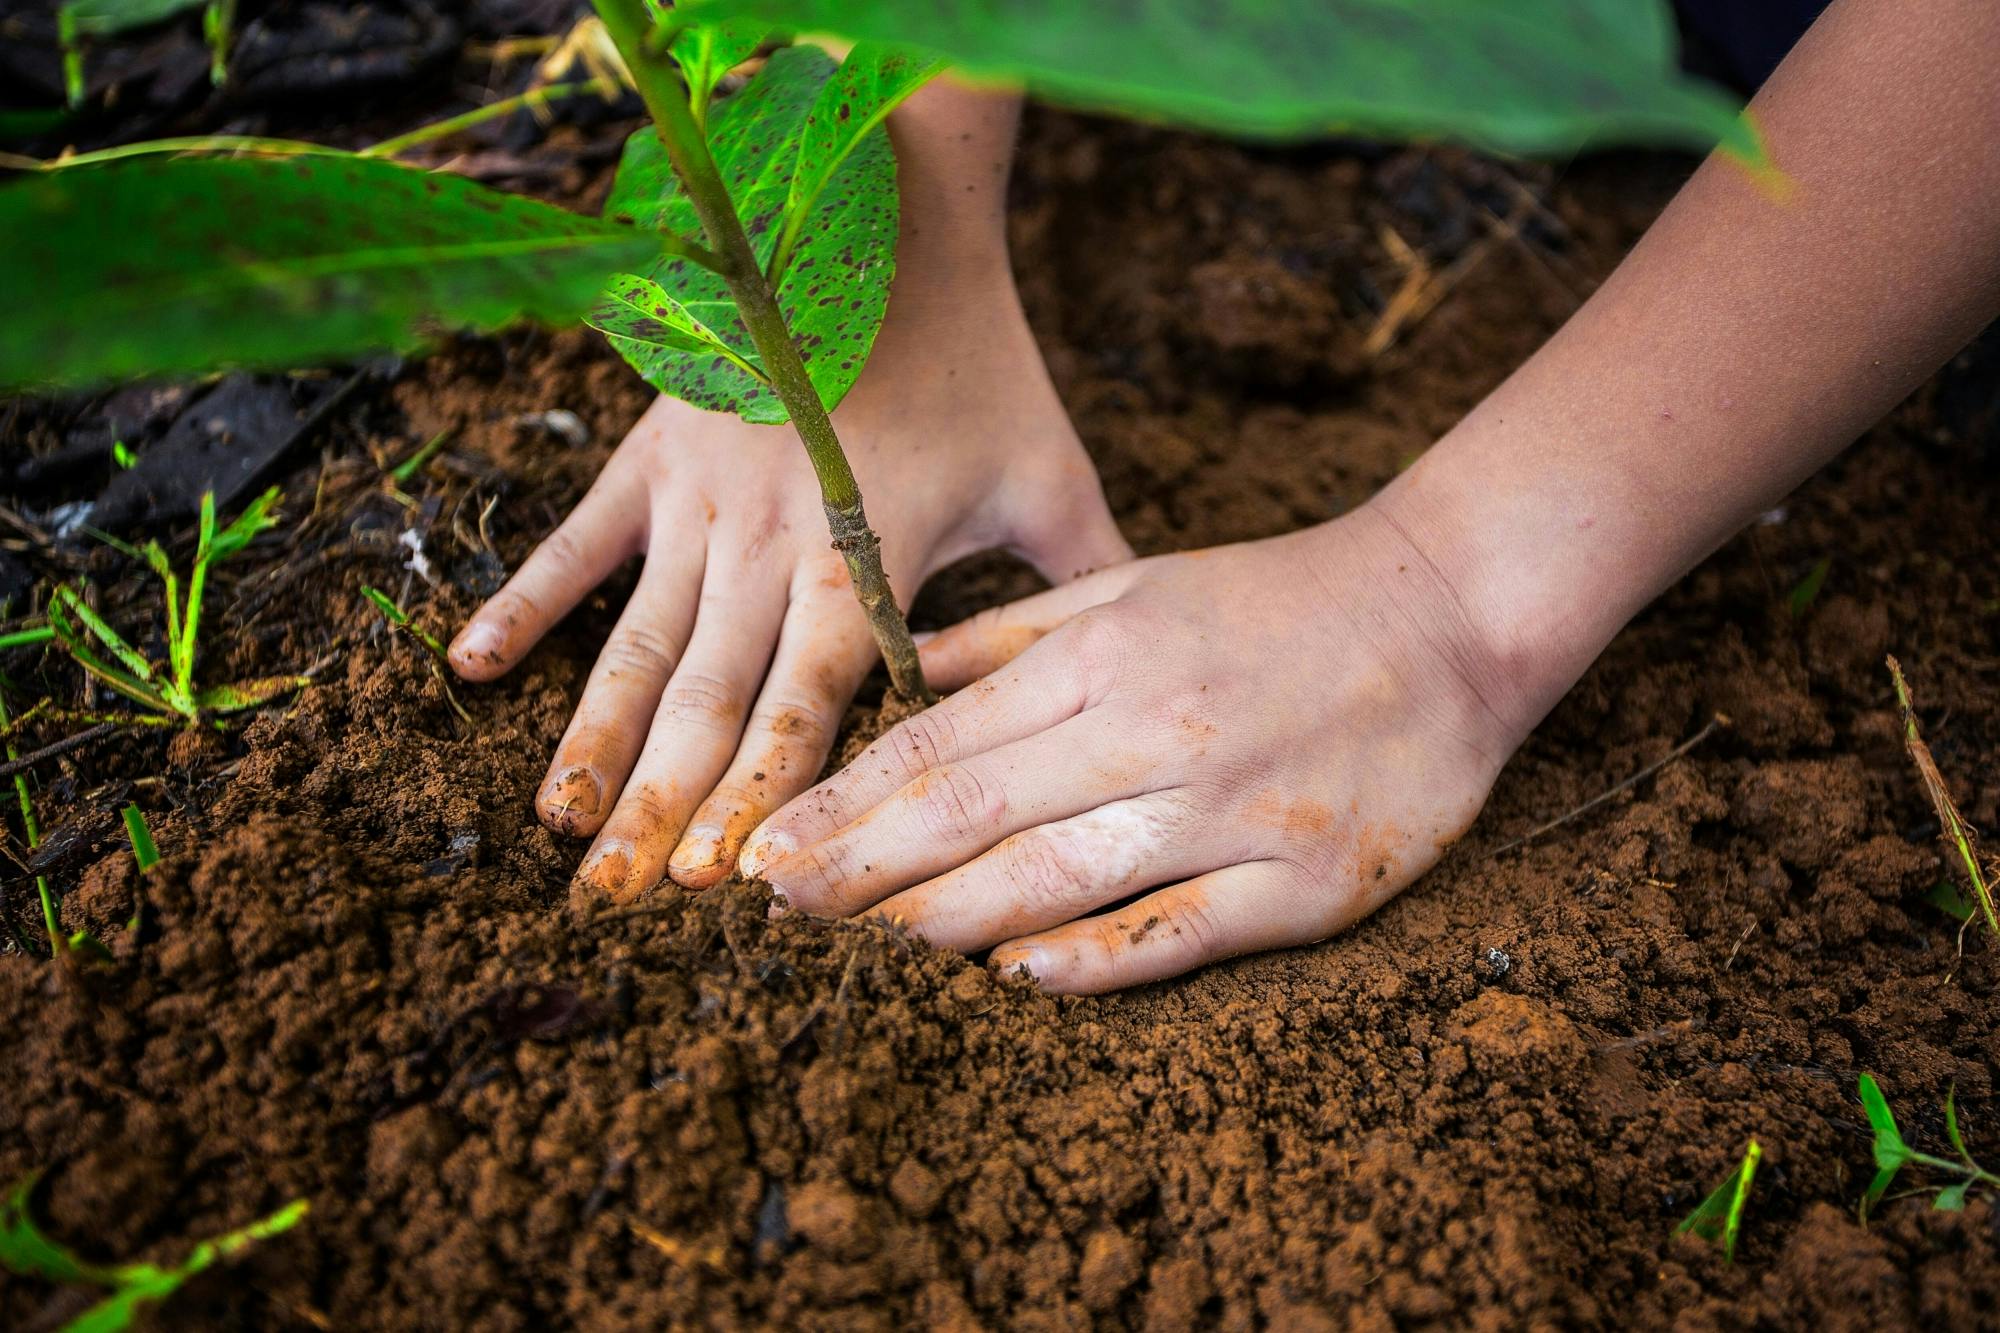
<point>1953,830</point>
<point>25,1250</point>
<point>1807,590</point>
<point>440,663</point>
<point>170,694</point>
<point>1720,1215</point>
<point>122,455</point>
<point>405,471</point>
<point>1892,1154</point>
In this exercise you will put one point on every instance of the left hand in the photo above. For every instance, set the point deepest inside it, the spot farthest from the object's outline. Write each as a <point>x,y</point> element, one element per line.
<point>1283,733</point>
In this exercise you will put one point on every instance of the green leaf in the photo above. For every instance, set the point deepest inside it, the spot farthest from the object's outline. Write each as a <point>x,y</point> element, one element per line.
<point>257,518</point>
<point>165,266</point>
<point>711,51</point>
<point>836,287</point>
<point>1949,899</point>
<point>246,693</point>
<point>872,82</point>
<point>642,321</point>
<point>1890,1150</point>
<point>1807,590</point>
<point>65,602</point>
<point>386,604</point>
<point>1720,1216</point>
<point>23,638</point>
<point>103,18</point>
<point>144,851</point>
<point>25,1250</point>
<point>1951,1199</point>
<point>1529,76</point>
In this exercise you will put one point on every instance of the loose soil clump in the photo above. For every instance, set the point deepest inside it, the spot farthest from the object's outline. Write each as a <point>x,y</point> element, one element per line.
<point>361,980</point>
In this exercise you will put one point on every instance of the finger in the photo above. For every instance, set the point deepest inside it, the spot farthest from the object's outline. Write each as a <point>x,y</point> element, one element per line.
<point>824,652</point>
<point>1036,693</point>
<point>607,528</point>
<point>955,657</point>
<point>1045,876</point>
<point>612,720</point>
<point>956,811</point>
<point>1238,910</point>
<point>694,731</point>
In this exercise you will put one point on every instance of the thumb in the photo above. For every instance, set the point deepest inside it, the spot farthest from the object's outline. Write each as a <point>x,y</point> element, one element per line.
<point>957,656</point>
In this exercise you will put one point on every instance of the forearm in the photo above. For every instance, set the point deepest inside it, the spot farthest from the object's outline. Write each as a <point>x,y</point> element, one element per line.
<point>1743,343</point>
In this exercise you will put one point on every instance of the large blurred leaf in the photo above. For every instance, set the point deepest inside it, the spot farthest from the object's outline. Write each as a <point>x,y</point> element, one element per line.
<point>834,291</point>
<point>175,266</point>
<point>1518,75</point>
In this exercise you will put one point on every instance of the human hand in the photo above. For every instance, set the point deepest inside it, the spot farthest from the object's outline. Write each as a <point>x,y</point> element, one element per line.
<point>1285,733</point>
<point>716,698</point>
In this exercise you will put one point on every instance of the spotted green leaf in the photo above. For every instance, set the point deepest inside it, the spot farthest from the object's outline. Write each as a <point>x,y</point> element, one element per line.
<point>175,266</point>
<point>1530,76</point>
<point>873,81</point>
<point>835,289</point>
<point>711,51</point>
<point>640,319</point>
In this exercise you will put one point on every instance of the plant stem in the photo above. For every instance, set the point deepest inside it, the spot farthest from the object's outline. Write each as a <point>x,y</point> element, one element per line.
<point>535,97</point>
<point>687,150</point>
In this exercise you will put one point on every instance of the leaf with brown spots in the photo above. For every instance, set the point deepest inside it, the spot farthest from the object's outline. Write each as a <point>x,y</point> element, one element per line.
<point>835,289</point>
<point>182,266</point>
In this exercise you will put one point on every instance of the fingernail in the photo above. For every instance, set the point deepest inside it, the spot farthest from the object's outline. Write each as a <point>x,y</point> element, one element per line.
<point>700,849</point>
<point>773,846</point>
<point>575,791</point>
<point>1007,962</point>
<point>608,869</point>
<point>478,644</point>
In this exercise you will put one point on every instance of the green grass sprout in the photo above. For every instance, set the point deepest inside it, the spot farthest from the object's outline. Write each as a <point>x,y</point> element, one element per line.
<point>409,467</point>
<point>1953,830</point>
<point>170,694</point>
<point>122,455</point>
<point>440,662</point>
<point>1807,590</point>
<point>144,851</point>
<point>1892,1154</point>
<point>1720,1216</point>
<point>26,1250</point>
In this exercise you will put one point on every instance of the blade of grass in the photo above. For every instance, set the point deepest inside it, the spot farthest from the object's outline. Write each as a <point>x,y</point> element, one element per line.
<point>1959,835</point>
<point>66,602</point>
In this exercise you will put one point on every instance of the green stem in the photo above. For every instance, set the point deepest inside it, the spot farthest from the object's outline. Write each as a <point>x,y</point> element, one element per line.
<point>32,835</point>
<point>442,129</point>
<point>687,150</point>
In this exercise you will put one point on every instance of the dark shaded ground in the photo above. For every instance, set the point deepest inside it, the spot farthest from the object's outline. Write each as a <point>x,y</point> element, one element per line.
<point>1486,1107</point>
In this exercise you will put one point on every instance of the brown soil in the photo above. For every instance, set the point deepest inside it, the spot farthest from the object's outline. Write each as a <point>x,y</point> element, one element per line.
<point>1486,1107</point>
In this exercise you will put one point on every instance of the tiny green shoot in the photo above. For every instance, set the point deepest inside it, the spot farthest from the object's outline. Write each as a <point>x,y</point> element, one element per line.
<point>1958,835</point>
<point>402,473</point>
<point>440,662</point>
<point>1892,1153</point>
<point>31,833</point>
<point>170,694</point>
<point>144,852</point>
<point>1807,590</point>
<point>1720,1215</point>
<point>26,1250</point>
<point>122,455</point>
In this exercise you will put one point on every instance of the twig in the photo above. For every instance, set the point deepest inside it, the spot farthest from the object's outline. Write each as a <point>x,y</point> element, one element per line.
<point>63,746</point>
<point>1719,720</point>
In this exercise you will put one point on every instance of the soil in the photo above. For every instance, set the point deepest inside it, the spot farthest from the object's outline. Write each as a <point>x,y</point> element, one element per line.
<point>359,981</point>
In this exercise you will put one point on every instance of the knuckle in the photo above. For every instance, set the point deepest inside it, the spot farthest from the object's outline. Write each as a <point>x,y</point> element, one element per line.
<point>644,808</point>
<point>699,698</point>
<point>1195,926</point>
<point>639,649</point>
<point>1043,870</point>
<point>954,803</point>
<point>793,725</point>
<point>562,550</point>
<point>922,743</point>
<point>813,878</point>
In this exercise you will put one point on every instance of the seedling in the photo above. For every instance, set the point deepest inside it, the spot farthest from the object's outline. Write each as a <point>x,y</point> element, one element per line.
<point>1720,1215</point>
<point>440,663</point>
<point>1957,835</point>
<point>1892,1154</point>
<point>744,259</point>
<point>170,694</point>
<point>26,1250</point>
